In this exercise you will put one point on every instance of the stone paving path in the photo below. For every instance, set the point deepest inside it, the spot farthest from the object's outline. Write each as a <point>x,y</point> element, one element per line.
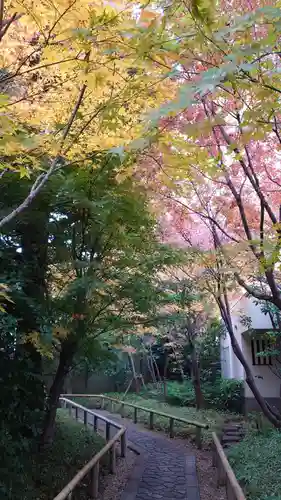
<point>165,471</point>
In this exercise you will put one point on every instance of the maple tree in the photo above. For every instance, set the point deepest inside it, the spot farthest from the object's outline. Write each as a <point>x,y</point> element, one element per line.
<point>218,155</point>
<point>87,271</point>
<point>75,78</point>
<point>188,328</point>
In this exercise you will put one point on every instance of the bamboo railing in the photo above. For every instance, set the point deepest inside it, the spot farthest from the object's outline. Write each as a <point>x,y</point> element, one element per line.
<point>225,474</point>
<point>172,418</point>
<point>93,466</point>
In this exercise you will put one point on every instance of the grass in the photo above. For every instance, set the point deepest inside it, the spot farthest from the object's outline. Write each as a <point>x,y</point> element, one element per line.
<point>211,417</point>
<point>43,475</point>
<point>257,465</point>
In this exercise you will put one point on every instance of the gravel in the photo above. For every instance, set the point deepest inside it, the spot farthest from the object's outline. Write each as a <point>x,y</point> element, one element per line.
<point>207,477</point>
<point>112,486</point>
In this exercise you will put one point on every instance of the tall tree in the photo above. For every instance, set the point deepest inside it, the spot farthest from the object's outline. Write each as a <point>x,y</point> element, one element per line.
<point>103,259</point>
<point>220,154</point>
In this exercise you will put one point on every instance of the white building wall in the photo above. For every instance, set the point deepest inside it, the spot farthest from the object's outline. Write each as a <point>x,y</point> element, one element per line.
<point>267,382</point>
<point>230,365</point>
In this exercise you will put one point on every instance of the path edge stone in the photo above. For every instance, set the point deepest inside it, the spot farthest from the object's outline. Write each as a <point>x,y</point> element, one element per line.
<point>192,483</point>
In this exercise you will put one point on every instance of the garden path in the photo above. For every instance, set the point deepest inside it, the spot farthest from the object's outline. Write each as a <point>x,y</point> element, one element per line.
<point>165,469</point>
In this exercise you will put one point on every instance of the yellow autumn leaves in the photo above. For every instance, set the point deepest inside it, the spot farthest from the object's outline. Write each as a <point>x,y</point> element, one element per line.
<point>57,47</point>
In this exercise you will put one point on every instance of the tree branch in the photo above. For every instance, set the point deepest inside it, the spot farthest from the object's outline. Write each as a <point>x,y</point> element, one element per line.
<point>42,179</point>
<point>252,291</point>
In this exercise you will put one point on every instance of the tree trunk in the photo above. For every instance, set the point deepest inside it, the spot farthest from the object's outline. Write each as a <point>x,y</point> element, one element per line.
<point>165,374</point>
<point>199,398</point>
<point>269,413</point>
<point>151,369</point>
<point>222,301</point>
<point>65,361</point>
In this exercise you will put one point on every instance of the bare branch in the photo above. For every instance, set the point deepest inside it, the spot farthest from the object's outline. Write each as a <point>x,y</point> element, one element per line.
<point>5,25</point>
<point>252,291</point>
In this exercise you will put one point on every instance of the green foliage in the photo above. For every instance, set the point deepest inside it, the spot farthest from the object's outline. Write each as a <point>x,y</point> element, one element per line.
<point>256,463</point>
<point>81,271</point>
<point>22,389</point>
<point>224,393</point>
<point>221,393</point>
<point>27,474</point>
<point>103,239</point>
<point>209,351</point>
<point>178,394</point>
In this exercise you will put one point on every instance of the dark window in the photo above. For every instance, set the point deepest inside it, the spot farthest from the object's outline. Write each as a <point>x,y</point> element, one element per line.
<point>260,345</point>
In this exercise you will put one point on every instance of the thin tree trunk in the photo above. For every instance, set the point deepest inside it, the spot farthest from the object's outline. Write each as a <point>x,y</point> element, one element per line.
<point>221,298</point>
<point>165,374</point>
<point>150,358</point>
<point>157,369</point>
<point>199,398</point>
<point>269,413</point>
<point>65,360</point>
<point>179,364</point>
<point>151,369</point>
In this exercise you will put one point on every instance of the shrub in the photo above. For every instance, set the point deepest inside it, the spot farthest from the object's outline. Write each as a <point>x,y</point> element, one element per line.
<point>27,474</point>
<point>223,393</point>
<point>256,463</point>
<point>180,394</point>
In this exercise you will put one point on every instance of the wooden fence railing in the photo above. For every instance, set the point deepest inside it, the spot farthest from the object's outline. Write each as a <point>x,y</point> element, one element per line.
<point>93,466</point>
<point>172,418</point>
<point>225,474</point>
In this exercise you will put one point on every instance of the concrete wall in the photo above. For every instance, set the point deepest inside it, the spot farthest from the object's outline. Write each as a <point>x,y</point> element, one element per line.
<point>230,365</point>
<point>94,385</point>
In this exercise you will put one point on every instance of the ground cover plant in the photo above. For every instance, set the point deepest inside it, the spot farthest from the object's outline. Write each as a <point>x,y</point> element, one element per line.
<point>212,417</point>
<point>42,475</point>
<point>256,463</point>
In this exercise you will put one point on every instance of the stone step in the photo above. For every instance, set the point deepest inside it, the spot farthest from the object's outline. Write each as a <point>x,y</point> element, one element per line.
<point>230,439</point>
<point>233,436</point>
<point>239,435</point>
<point>232,428</point>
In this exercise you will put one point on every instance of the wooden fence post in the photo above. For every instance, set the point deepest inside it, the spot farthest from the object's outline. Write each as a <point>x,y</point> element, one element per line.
<point>85,417</point>
<point>94,484</point>
<point>171,428</point>
<point>214,457</point>
<point>107,431</point>
<point>76,413</point>
<point>70,409</point>
<point>95,423</point>
<point>112,459</point>
<point>221,474</point>
<point>135,415</point>
<point>198,438</point>
<point>230,495</point>
<point>123,445</point>
<point>151,415</point>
